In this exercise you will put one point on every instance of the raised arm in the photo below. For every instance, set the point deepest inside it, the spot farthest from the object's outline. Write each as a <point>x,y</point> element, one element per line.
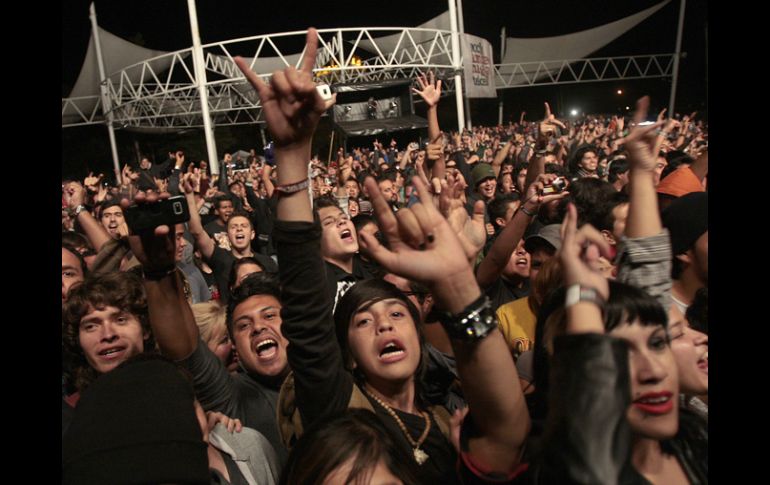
<point>292,107</point>
<point>546,128</point>
<point>645,259</point>
<point>171,318</point>
<point>203,241</point>
<point>497,258</point>
<point>423,247</point>
<point>500,157</point>
<point>586,438</point>
<point>643,219</point>
<point>267,170</point>
<point>430,91</point>
<point>95,232</point>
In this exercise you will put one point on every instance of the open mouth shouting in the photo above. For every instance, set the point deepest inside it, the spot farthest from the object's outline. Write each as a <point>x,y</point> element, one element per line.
<point>265,348</point>
<point>347,236</point>
<point>392,351</point>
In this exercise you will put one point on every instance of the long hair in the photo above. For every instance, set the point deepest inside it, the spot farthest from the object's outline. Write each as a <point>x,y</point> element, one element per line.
<point>360,296</point>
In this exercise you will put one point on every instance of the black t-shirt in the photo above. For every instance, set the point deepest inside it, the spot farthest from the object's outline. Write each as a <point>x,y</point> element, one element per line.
<point>262,219</point>
<point>221,262</point>
<point>338,281</point>
<point>440,466</point>
<point>218,232</point>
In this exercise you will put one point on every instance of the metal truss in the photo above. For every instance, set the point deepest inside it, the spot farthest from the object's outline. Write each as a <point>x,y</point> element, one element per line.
<point>80,111</point>
<point>596,69</point>
<point>161,93</point>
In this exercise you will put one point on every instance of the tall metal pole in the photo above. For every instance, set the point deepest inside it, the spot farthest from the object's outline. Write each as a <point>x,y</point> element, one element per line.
<point>341,55</point>
<point>456,65</point>
<point>461,25</point>
<point>200,81</point>
<point>106,105</point>
<point>502,56</point>
<point>676,59</point>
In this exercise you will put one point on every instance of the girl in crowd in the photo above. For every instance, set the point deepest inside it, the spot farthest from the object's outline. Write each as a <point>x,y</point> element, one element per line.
<point>211,320</point>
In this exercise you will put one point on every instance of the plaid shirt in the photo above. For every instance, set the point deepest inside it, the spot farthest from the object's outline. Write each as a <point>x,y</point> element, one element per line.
<point>645,262</point>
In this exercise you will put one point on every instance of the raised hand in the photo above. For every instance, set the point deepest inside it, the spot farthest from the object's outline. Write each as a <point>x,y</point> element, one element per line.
<point>186,184</point>
<point>101,194</point>
<point>534,194</point>
<point>423,246</point>
<point>91,182</point>
<point>291,104</point>
<point>75,193</point>
<point>156,249</point>
<point>430,91</point>
<point>470,231</point>
<point>580,252</point>
<point>640,142</point>
<point>162,184</point>
<point>549,120</point>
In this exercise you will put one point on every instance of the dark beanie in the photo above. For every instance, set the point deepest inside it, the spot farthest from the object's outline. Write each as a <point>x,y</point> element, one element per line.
<point>136,425</point>
<point>686,218</point>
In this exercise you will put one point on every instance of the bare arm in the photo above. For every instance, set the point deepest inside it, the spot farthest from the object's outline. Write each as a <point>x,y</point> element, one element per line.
<point>495,261</point>
<point>643,219</point>
<point>500,157</point>
<point>267,181</point>
<point>171,318</point>
<point>203,241</point>
<point>430,91</point>
<point>537,162</point>
<point>95,232</point>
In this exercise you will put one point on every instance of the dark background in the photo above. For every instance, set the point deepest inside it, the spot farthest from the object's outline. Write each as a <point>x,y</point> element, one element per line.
<point>165,26</point>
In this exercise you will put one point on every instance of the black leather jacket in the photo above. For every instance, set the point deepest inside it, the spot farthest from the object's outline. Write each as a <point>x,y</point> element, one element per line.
<point>586,437</point>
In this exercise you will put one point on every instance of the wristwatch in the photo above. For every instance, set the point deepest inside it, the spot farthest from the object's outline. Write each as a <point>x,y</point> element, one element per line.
<point>472,324</point>
<point>77,210</point>
<point>577,293</point>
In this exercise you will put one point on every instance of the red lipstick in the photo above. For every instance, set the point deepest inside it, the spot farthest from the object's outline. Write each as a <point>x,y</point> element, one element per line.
<point>655,402</point>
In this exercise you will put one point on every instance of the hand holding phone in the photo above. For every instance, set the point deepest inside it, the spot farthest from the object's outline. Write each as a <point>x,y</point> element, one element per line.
<point>146,217</point>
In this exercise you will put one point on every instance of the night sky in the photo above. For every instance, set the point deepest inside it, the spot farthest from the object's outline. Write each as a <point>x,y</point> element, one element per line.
<point>164,25</point>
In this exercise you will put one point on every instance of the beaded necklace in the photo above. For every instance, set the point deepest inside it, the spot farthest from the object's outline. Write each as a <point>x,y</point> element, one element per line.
<point>419,455</point>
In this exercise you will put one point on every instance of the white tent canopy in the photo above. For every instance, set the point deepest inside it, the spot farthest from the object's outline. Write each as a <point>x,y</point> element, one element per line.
<point>572,46</point>
<point>577,45</point>
<point>118,54</point>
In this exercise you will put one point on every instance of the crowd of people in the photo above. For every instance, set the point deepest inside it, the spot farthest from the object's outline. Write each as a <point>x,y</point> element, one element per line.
<point>522,303</point>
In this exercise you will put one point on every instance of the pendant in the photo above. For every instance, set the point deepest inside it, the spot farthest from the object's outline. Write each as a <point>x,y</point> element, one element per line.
<point>420,456</point>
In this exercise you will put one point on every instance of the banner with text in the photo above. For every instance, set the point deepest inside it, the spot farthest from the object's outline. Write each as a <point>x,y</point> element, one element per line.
<point>479,71</point>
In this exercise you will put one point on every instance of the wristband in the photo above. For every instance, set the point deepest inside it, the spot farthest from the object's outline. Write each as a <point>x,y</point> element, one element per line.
<point>577,293</point>
<point>472,324</point>
<point>288,189</point>
<point>527,212</point>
